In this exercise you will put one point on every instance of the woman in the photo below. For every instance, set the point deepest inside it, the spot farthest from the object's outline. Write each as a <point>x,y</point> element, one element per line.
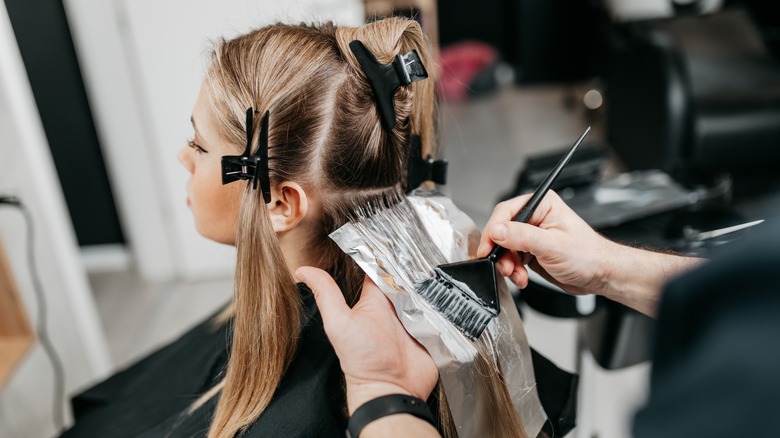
<point>264,367</point>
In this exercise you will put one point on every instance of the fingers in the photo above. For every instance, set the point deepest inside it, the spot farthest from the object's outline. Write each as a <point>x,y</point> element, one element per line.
<point>506,264</point>
<point>520,276</point>
<point>505,211</point>
<point>329,299</point>
<point>520,237</point>
<point>372,292</point>
<point>512,266</point>
<point>539,269</point>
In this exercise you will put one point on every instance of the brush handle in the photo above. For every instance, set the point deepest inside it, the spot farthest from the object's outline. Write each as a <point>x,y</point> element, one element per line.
<point>525,213</point>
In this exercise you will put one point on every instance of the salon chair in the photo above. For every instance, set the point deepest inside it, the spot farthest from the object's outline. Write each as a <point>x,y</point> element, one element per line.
<point>693,93</point>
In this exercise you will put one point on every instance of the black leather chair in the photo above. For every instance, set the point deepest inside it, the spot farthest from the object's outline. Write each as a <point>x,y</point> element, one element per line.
<point>693,93</point>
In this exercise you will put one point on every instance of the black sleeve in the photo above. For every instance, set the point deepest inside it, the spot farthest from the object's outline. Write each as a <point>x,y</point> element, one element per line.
<point>558,393</point>
<point>716,370</point>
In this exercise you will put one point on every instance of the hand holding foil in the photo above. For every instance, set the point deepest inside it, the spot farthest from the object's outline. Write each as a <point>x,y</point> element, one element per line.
<point>377,355</point>
<point>489,384</point>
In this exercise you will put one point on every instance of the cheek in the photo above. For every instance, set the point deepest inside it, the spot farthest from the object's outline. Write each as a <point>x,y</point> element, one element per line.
<point>215,208</point>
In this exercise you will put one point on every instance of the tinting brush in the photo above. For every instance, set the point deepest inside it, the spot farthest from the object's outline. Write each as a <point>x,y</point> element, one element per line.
<point>466,293</point>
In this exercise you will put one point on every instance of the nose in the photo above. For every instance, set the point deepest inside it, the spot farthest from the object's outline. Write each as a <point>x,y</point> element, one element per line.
<point>184,158</point>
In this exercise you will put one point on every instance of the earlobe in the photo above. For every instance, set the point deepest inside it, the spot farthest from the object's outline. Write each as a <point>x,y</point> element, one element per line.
<point>289,205</point>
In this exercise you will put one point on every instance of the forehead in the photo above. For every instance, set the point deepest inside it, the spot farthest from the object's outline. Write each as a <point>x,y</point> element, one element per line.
<point>205,126</point>
<point>201,115</point>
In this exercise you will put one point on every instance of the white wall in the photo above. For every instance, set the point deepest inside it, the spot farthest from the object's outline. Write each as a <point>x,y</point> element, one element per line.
<point>143,61</point>
<point>27,171</point>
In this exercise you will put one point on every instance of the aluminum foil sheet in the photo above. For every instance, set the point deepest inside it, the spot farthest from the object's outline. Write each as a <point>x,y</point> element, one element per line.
<point>399,246</point>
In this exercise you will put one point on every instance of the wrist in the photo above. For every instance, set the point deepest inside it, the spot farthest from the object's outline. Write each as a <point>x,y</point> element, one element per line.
<point>635,277</point>
<point>392,405</point>
<point>609,279</point>
<point>360,392</point>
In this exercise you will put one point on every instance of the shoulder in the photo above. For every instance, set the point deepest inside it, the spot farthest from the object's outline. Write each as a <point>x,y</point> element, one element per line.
<point>742,276</point>
<point>310,400</point>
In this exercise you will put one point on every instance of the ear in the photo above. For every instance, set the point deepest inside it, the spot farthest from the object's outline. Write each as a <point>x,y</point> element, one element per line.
<point>289,205</point>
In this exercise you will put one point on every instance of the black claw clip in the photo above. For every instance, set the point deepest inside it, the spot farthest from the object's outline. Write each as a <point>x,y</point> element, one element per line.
<point>250,166</point>
<point>423,169</point>
<point>386,78</point>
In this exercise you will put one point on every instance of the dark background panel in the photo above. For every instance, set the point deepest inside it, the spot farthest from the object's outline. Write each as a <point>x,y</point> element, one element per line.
<point>546,41</point>
<point>44,39</point>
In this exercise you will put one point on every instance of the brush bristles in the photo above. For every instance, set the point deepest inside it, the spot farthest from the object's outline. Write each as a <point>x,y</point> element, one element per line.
<point>403,248</point>
<point>457,304</point>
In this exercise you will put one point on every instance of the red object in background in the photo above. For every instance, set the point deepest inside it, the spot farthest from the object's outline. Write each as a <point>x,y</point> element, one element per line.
<point>460,64</point>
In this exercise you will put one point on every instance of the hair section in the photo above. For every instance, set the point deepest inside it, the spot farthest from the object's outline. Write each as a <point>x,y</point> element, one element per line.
<point>404,251</point>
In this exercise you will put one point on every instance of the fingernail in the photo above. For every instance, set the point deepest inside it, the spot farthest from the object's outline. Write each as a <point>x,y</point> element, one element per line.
<point>498,232</point>
<point>482,249</point>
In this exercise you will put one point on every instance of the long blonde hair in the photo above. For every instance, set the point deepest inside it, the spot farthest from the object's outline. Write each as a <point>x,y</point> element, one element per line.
<point>325,134</point>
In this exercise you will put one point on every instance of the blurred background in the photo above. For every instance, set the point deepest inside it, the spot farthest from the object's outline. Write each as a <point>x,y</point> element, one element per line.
<point>95,97</point>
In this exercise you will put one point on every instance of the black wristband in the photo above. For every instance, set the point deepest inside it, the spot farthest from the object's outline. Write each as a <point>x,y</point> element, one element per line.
<point>384,406</point>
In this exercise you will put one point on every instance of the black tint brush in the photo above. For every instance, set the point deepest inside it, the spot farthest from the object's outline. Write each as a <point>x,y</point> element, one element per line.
<point>466,293</point>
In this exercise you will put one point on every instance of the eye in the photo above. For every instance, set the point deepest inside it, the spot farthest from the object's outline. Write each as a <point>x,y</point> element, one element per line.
<point>191,143</point>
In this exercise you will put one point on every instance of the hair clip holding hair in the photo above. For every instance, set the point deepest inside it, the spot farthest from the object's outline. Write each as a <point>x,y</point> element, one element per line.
<point>250,166</point>
<point>423,169</point>
<point>386,78</point>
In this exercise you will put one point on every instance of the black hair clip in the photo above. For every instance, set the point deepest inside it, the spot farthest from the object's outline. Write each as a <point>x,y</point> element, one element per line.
<point>421,170</point>
<point>385,79</point>
<point>250,166</point>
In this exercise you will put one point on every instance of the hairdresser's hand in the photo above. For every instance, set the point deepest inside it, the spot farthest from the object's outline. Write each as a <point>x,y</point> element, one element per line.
<point>377,355</point>
<point>565,250</point>
<point>556,243</point>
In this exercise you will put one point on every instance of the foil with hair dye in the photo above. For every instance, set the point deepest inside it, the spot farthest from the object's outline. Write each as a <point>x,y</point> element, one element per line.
<point>398,244</point>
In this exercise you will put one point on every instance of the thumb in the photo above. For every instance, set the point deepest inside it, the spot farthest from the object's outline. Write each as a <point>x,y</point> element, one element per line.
<point>329,298</point>
<point>520,237</point>
<point>373,294</point>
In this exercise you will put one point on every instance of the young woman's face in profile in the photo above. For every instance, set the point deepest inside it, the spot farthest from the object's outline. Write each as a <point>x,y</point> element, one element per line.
<point>214,206</point>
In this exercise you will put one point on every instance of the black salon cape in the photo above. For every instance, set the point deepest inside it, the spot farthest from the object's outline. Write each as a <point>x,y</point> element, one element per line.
<point>716,370</point>
<point>150,399</point>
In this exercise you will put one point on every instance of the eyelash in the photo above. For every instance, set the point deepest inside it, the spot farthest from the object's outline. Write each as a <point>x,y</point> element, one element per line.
<point>191,143</point>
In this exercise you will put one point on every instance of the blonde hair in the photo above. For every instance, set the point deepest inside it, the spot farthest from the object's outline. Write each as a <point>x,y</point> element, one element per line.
<point>325,134</point>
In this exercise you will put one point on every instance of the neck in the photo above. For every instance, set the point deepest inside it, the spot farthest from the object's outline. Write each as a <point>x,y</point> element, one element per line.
<point>293,244</point>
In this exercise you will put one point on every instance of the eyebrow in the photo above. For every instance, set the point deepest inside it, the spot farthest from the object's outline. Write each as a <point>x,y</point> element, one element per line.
<point>192,120</point>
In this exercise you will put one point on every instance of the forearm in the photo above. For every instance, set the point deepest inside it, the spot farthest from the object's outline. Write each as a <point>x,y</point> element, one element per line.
<point>635,277</point>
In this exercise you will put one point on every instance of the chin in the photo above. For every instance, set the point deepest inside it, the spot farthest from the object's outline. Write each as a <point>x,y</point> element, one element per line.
<point>214,235</point>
